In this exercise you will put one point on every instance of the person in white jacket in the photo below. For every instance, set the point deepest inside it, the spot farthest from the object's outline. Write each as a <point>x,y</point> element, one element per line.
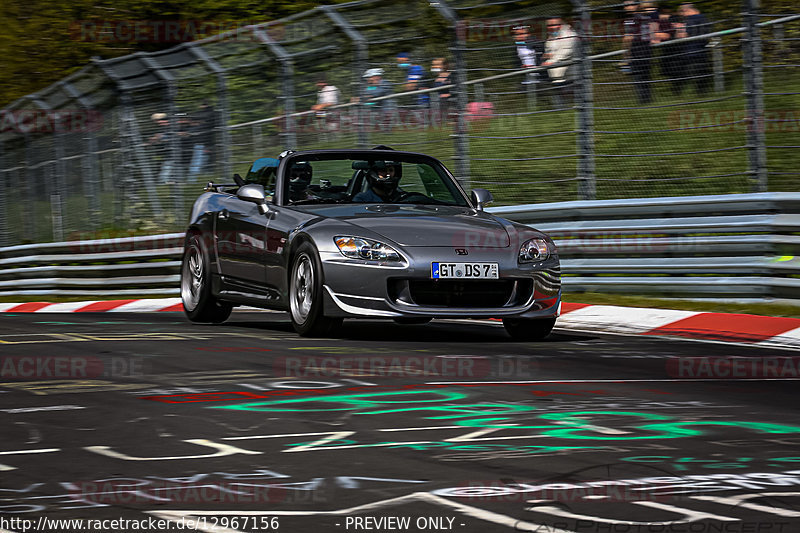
<point>560,46</point>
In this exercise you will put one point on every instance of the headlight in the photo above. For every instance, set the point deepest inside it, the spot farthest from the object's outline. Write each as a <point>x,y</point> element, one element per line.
<point>360,248</point>
<point>533,250</point>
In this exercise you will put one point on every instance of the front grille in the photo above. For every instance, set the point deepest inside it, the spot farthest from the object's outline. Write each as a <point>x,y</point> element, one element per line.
<point>462,293</point>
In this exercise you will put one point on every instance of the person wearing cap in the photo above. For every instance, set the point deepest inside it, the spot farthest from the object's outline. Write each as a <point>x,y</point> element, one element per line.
<point>528,51</point>
<point>376,87</point>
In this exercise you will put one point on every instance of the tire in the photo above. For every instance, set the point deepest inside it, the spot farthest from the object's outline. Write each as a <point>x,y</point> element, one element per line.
<point>529,329</point>
<point>305,295</point>
<point>412,320</point>
<point>198,302</point>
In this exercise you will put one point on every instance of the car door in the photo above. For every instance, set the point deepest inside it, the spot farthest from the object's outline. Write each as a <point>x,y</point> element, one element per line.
<point>241,232</point>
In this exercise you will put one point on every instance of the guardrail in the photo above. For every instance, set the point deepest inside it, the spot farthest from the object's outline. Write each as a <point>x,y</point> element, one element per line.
<point>147,265</point>
<point>731,246</point>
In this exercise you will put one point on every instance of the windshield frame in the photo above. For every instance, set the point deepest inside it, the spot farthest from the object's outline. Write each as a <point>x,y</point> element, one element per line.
<point>282,189</point>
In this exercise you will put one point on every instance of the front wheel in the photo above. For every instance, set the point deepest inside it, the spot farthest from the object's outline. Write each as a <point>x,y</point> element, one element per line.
<point>198,302</point>
<point>529,329</point>
<point>305,295</point>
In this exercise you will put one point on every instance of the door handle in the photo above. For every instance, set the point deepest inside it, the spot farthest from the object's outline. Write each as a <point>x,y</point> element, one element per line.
<point>223,215</point>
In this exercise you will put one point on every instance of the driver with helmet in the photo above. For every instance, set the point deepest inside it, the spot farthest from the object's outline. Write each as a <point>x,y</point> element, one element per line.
<point>299,180</point>
<point>383,177</point>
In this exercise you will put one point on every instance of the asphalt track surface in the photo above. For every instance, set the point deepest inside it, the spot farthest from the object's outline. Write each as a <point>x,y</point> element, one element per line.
<point>450,426</point>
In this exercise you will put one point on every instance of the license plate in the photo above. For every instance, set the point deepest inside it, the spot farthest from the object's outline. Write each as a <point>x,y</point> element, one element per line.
<point>464,271</point>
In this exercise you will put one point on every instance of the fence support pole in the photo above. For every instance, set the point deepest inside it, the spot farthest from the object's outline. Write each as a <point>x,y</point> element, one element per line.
<point>30,228</point>
<point>719,67</point>
<point>462,98</point>
<point>179,173</point>
<point>359,67</point>
<point>58,196</point>
<point>223,140</point>
<point>90,161</point>
<point>754,90</point>
<point>5,238</point>
<point>287,84</point>
<point>584,100</point>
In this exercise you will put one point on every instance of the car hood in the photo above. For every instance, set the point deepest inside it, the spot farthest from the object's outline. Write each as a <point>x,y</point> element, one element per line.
<point>423,225</point>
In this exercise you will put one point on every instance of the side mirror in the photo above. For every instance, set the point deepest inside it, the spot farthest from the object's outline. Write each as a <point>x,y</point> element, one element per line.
<point>481,198</point>
<point>254,193</point>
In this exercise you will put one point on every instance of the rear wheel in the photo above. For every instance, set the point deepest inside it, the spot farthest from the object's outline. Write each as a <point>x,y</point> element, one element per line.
<point>305,295</point>
<point>529,329</point>
<point>198,302</point>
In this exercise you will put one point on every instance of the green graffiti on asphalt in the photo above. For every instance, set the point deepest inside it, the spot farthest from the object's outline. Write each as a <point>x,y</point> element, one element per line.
<point>349,401</point>
<point>575,425</point>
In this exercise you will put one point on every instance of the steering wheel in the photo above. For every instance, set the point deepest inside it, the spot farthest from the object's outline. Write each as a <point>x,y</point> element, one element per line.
<point>412,194</point>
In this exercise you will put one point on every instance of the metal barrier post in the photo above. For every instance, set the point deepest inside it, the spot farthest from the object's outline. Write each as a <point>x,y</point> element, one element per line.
<point>59,176</point>
<point>224,144</point>
<point>5,239</point>
<point>130,200</point>
<point>178,171</point>
<point>719,67</point>
<point>89,162</point>
<point>30,226</point>
<point>584,100</point>
<point>462,98</point>
<point>287,83</point>
<point>58,196</point>
<point>359,67</point>
<point>754,91</point>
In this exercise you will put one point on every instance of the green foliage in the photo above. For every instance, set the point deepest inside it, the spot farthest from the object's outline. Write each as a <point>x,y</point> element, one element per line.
<point>41,42</point>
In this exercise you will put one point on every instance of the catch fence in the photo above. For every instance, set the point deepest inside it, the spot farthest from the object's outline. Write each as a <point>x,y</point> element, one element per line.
<point>702,105</point>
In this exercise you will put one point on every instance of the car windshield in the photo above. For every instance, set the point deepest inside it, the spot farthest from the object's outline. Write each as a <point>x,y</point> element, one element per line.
<point>336,179</point>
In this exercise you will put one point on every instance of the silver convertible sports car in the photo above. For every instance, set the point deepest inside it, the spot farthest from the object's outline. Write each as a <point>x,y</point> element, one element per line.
<point>376,234</point>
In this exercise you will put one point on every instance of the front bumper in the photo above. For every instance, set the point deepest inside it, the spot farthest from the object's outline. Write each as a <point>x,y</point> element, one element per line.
<point>357,289</point>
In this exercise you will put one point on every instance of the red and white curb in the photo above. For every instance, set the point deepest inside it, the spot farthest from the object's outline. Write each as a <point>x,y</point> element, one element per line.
<point>145,305</point>
<point>778,332</point>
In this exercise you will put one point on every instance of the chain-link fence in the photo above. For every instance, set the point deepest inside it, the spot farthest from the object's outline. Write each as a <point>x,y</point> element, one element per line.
<point>538,102</point>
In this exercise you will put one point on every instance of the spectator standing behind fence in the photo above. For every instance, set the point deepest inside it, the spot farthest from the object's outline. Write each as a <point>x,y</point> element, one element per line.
<point>672,60</point>
<point>327,96</point>
<point>163,138</point>
<point>415,78</point>
<point>441,68</point>
<point>202,138</point>
<point>697,61</point>
<point>375,88</point>
<point>639,28</point>
<point>560,47</point>
<point>529,50</point>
